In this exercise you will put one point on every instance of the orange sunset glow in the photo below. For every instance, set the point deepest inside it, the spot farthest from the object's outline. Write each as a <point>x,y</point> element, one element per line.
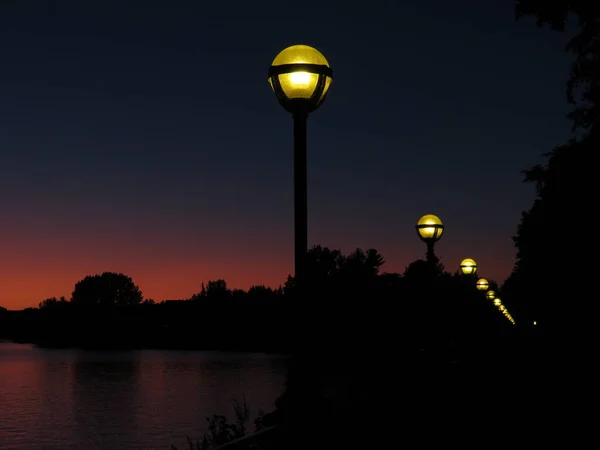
<point>34,269</point>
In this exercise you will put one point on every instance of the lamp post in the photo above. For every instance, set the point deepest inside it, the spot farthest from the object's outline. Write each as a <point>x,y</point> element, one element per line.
<point>300,77</point>
<point>468,266</point>
<point>490,295</point>
<point>430,229</point>
<point>482,284</point>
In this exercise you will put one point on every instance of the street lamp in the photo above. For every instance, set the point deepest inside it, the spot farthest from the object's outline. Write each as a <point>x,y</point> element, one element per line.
<point>300,76</point>
<point>482,284</point>
<point>468,266</point>
<point>430,229</point>
<point>491,295</point>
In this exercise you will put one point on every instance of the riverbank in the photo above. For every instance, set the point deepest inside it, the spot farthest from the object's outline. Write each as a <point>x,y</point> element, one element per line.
<point>135,334</point>
<point>118,343</point>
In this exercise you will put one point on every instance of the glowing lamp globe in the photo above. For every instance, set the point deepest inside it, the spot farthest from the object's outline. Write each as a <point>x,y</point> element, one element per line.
<point>300,76</point>
<point>490,295</point>
<point>430,228</point>
<point>482,284</point>
<point>497,302</point>
<point>501,307</point>
<point>468,266</point>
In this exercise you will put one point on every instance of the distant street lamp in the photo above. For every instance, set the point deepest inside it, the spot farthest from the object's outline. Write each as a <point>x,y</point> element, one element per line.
<point>490,295</point>
<point>482,284</point>
<point>430,229</point>
<point>300,77</point>
<point>468,266</point>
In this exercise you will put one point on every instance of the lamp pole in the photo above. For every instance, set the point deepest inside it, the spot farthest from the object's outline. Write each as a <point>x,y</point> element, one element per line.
<point>300,198</point>
<point>300,76</point>
<point>430,254</point>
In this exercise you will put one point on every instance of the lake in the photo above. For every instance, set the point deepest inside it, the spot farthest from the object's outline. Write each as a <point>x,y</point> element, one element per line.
<point>62,399</point>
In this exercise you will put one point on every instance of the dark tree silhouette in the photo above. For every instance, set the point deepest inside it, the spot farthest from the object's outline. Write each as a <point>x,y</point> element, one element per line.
<point>332,274</point>
<point>361,264</point>
<point>108,289</point>
<point>422,269</point>
<point>552,250</point>
<point>390,282</point>
<point>261,292</point>
<point>323,262</point>
<point>213,290</point>
<point>552,241</point>
<point>218,289</point>
<point>53,303</point>
<point>583,86</point>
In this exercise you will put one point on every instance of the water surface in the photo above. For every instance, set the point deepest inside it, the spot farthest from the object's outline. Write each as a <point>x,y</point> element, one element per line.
<point>55,399</point>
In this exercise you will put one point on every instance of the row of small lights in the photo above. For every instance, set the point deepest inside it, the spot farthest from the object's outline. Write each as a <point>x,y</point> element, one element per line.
<point>430,229</point>
<point>469,267</point>
<point>483,285</point>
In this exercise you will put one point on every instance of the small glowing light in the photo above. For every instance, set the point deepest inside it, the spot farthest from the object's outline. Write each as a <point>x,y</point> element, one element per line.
<point>468,266</point>
<point>534,323</point>
<point>482,284</point>
<point>302,83</point>
<point>300,78</point>
<point>430,227</point>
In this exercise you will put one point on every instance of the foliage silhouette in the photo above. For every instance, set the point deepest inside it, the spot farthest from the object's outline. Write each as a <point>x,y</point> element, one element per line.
<point>543,280</point>
<point>347,296</point>
<point>582,85</point>
<point>423,314</point>
<point>221,431</point>
<point>108,289</point>
<point>551,255</point>
<point>54,303</point>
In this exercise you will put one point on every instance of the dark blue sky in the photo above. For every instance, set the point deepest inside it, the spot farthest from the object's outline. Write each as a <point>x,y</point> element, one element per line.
<point>143,137</point>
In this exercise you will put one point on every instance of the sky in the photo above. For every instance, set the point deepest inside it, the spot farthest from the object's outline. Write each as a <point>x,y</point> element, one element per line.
<point>143,137</point>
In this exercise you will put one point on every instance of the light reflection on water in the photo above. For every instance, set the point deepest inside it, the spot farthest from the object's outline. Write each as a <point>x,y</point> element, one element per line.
<point>55,399</point>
